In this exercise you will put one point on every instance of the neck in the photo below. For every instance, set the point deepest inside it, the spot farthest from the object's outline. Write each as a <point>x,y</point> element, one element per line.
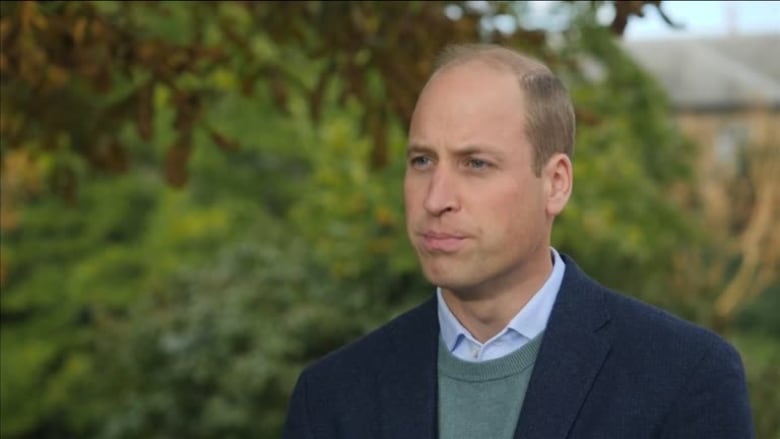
<point>485,310</point>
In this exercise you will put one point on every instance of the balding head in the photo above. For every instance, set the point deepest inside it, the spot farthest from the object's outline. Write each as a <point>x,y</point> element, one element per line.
<point>550,122</point>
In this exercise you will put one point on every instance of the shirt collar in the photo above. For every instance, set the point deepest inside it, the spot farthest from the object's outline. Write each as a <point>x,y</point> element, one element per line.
<point>529,322</point>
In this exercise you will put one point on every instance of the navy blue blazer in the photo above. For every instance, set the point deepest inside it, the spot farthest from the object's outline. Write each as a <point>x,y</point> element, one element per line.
<point>608,367</point>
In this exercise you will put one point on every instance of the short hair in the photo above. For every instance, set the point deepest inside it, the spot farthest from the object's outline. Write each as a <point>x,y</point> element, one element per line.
<point>550,121</point>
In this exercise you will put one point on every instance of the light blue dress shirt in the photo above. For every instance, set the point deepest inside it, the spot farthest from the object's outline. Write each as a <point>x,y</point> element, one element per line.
<point>527,324</point>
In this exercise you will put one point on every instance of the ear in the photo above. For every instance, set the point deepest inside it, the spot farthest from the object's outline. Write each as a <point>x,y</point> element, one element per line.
<point>559,178</point>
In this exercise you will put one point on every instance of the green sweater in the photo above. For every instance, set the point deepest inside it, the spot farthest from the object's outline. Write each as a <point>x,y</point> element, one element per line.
<point>483,400</point>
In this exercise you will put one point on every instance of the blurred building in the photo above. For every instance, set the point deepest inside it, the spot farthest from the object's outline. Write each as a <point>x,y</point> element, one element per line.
<point>725,93</point>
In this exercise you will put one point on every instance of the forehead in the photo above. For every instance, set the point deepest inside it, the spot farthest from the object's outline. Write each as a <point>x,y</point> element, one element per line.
<point>469,99</point>
<point>473,75</point>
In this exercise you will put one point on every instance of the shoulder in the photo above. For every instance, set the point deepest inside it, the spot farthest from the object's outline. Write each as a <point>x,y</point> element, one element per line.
<point>658,331</point>
<point>674,376</point>
<point>666,350</point>
<point>631,323</point>
<point>697,374</point>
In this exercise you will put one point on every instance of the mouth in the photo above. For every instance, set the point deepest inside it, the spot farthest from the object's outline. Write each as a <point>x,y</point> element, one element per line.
<point>437,242</point>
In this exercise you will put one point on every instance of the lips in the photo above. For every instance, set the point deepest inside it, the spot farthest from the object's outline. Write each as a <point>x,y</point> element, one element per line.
<point>442,242</point>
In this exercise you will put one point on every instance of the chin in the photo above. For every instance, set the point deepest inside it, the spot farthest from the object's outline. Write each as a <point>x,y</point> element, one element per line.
<point>448,279</point>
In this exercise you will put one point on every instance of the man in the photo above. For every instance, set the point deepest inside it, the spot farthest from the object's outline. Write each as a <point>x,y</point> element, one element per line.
<point>517,342</point>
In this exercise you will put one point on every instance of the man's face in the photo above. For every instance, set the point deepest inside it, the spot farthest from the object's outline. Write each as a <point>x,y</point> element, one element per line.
<point>476,214</point>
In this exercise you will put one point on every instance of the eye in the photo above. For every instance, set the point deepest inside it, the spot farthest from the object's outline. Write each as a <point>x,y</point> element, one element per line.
<point>420,161</point>
<point>477,164</point>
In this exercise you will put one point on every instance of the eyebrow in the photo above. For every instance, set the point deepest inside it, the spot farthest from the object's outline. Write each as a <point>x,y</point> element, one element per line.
<point>467,150</point>
<point>413,148</point>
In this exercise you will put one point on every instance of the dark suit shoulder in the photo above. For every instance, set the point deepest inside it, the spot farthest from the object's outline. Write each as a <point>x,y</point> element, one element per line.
<point>630,323</point>
<point>695,377</point>
<point>660,375</point>
<point>668,354</point>
<point>655,329</point>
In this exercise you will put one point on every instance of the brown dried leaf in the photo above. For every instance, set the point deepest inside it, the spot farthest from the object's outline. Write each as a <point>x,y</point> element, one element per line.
<point>65,184</point>
<point>145,111</point>
<point>223,142</point>
<point>27,12</point>
<point>79,31</point>
<point>279,93</point>
<point>187,110</point>
<point>176,160</point>
<point>6,26</point>
<point>116,157</point>
<point>56,76</point>
<point>379,153</point>
<point>587,117</point>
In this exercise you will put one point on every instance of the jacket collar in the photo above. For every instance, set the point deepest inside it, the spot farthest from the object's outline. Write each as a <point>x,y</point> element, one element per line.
<point>572,352</point>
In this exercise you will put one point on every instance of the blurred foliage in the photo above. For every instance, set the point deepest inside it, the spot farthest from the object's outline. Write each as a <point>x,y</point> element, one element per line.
<point>183,303</point>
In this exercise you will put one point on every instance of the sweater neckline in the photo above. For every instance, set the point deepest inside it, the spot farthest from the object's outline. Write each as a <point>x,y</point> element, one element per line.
<point>499,368</point>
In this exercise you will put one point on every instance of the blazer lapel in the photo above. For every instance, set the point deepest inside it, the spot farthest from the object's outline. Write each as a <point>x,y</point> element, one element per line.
<point>408,389</point>
<point>569,359</point>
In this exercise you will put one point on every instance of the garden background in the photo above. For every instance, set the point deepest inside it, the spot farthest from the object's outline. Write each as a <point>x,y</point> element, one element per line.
<point>199,199</point>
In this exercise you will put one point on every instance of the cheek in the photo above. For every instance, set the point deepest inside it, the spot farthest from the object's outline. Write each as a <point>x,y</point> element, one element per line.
<point>408,199</point>
<point>511,214</point>
<point>414,191</point>
<point>412,201</point>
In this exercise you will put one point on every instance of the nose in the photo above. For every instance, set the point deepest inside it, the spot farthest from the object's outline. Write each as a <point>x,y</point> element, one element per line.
<point>442,194</point>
